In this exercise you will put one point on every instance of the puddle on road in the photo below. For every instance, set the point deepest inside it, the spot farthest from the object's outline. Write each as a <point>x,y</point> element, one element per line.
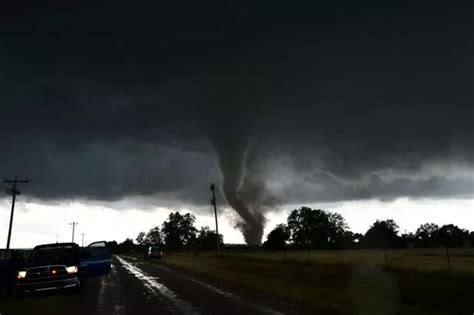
<point>157,288</point>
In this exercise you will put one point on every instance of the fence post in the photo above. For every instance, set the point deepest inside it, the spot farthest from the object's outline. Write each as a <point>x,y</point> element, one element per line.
<point>342,257</point>
<point>385,253</point>
<point>447,255</point>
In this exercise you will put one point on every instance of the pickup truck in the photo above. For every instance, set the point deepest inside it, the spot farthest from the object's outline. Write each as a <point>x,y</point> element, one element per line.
<point>61,266</point>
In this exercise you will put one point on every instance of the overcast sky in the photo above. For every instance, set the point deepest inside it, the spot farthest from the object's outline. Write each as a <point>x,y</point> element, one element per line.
<point>136,108</point>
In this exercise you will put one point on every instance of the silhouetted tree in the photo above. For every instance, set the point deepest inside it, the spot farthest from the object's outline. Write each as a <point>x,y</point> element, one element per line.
<point>451,236</point>
<point>426,235</point>
<point>358,239</point>
<point>471,238</point>
<point>141,239</point>
<point>407,240</point>
<point>338,229</point>
<point>278,237</point>
<point>206,239</point>
<point>113,246</point>
<point>316,228</point>
<point>348,240</point>
<point>126,246</point>
<point>382,234</point>
<point>179,230</point>
<point>153,237</point>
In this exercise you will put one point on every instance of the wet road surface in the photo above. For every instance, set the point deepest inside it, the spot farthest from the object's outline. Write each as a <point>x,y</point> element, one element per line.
<point>136,287</point>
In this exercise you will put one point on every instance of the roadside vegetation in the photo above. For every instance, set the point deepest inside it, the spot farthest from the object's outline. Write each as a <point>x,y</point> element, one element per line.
<point>415,282</point>
<point>305,229</point>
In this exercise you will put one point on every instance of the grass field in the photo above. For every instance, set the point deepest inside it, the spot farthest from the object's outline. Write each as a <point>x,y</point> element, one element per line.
<point>414,281</point>
<point>433,259</point>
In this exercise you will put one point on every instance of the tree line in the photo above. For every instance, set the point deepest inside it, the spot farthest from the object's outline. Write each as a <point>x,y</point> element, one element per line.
<point>176,233</point>
<point>305,228</point>
<point>320,229</point>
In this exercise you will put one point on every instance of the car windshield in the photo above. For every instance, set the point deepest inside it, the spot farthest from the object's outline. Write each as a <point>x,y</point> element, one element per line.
<point>51,256</point>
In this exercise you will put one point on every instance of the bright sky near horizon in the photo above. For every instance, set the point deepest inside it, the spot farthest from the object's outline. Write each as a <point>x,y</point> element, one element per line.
<point>39,223</point>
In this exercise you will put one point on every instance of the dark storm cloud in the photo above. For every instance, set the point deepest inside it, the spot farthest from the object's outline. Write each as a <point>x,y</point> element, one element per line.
<point>323,187</point>
<point>112,101</point>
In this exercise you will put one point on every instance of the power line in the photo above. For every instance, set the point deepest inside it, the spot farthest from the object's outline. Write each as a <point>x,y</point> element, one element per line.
<point>213,202</point>
<point>14,192</point>
<point>73,226</point>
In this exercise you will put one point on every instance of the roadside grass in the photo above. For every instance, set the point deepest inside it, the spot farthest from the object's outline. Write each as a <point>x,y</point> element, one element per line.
<point>43,304</point>
<point>414,281</point>
<point>432,259</point>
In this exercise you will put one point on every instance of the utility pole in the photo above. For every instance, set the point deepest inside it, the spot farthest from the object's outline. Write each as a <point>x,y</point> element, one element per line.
<point>56,238</point>
<point>213,201</point>
<point>14,192</point>
<point>73,226</point>
<point>83,238</point>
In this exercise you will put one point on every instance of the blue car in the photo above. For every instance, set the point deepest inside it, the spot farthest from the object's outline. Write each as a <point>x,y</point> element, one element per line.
<point>62,266</point>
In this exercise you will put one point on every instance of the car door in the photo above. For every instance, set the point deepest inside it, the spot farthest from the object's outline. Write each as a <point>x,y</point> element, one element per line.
<point>96,259</point>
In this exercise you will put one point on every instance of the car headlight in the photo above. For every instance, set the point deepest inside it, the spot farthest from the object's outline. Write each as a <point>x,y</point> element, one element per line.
<point>71,269</point>
<point>21,274</point>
